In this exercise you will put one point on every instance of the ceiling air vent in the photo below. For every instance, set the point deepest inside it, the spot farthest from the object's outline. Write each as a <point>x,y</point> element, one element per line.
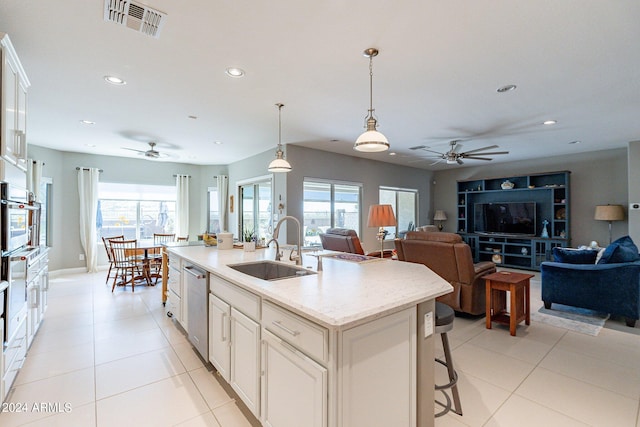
<point>136,16</point>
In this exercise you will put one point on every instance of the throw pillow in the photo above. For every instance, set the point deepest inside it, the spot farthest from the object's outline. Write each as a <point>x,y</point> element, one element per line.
<point>600,253</point>
<point>622,250</point>
<point>574,256</point>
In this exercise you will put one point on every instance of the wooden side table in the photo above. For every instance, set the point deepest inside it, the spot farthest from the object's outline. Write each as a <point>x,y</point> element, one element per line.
<point>497,286</point>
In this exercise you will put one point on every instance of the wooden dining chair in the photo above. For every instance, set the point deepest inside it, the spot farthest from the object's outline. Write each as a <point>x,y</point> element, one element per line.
<point>129,267</point>
<point>107,247</point>
<point>183,239</point>
<point>155,254</point>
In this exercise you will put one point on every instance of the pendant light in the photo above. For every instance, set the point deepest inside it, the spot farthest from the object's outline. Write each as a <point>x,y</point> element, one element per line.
<point>371,141</point>
<point>280,164</point>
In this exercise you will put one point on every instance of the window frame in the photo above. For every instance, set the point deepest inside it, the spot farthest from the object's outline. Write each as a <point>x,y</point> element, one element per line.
<point>394,230</point>
<point>332,205</point>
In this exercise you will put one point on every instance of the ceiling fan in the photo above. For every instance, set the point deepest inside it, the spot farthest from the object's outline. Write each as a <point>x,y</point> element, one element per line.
<point>151,153</point>
<point>455,156</point>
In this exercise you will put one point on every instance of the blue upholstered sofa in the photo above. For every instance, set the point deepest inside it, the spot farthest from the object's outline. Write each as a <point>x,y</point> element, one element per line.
<point>610,285</point>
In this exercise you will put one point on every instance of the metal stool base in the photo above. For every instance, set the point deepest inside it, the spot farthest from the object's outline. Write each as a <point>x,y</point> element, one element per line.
<point>452,384</point>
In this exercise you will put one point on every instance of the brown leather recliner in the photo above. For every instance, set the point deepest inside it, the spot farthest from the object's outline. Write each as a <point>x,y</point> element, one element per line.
<point>347,240</point>
<point>449,257</point>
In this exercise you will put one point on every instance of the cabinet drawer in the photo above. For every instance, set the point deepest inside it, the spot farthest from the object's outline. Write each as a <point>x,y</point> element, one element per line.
<point>174,305</point>
<point>17,347</point>
<point>175,262</point>
<point>173,282</point>
<point>307,336</point>
<point>243,301</point>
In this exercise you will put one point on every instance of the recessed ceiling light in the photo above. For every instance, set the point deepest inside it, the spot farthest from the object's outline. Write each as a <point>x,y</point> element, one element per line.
<point>217,142</point>
<point>506,88</point>
<point>235,72</point>
<point>549,122</point>
<point>115,80</point>
<point>90,145</point>
<point>87,122</point>
<point>575,142</point>
<point>192,117</point>
<point>392,153</point>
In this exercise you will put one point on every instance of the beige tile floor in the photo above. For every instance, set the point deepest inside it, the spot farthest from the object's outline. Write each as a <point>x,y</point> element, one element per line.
<point>117,359</point>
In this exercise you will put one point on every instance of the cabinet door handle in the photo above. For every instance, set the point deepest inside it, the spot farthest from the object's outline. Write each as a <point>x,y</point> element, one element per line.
<point>278,324</point>
<point>224,329</point>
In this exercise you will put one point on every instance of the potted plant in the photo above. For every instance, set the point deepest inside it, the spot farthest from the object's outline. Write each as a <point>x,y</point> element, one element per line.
<point>249,237</point>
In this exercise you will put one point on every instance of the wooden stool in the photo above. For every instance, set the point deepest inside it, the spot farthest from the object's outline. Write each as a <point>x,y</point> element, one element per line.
<point>497,286</point>
<point>444,323</point>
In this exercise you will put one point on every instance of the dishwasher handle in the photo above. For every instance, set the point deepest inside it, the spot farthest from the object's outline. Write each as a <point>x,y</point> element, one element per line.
<point>197,273</point>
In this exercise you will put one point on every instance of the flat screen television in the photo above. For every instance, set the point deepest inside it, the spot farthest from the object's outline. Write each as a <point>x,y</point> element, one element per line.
<point>518,218</point>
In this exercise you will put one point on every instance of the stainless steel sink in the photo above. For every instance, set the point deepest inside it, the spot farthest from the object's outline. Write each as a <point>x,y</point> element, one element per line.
<point>271,270</point>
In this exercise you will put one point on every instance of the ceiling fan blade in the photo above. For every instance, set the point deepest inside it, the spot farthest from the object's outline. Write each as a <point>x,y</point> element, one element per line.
<point>477,158</point>
<point>431,151</point>
<point>436,162</point>
<point>485,154</point>
<point>459,160</point>
<point>482,149</point>
<point>133,149</point>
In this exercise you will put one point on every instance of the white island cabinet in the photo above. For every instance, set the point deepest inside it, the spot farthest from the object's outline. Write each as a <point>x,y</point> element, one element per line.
<point>345,347</point>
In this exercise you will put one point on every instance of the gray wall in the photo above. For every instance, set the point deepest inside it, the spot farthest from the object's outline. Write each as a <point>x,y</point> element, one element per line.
<point>597,178</point>
<point>372,174</point>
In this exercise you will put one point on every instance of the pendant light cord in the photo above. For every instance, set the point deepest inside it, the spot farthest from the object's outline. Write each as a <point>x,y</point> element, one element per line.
<point>280,126</point>
<point>371,84</point>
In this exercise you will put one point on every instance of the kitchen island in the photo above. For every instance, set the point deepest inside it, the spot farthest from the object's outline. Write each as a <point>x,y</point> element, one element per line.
<point>351,345</point>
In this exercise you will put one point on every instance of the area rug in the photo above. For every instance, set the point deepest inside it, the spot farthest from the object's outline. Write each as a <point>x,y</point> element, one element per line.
<point>575,319</point>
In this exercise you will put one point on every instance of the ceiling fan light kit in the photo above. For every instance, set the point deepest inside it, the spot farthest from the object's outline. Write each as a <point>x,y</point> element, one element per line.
<point>371,141</point>
<point>280,164</point>
<point>454,156</point>
<point>151,153</point>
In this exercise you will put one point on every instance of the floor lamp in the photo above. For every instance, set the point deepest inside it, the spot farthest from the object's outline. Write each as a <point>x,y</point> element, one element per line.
<point>381,216</point>
<point>609,213</point>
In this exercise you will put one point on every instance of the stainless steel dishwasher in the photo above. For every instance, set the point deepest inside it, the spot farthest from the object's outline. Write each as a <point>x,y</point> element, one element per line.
<point>197,309</point>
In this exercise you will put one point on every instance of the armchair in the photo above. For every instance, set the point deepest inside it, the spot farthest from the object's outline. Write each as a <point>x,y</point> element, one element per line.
<point>611,287</point>
<point>449,257</point>
<point>346,240</point>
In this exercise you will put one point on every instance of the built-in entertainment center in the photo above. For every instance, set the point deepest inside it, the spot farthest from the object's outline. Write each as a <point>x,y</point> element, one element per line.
<point>515,221</point>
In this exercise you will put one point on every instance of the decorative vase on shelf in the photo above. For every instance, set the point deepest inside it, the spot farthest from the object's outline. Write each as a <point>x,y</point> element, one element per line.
<point>545,233</point>
<point>507,185</point>
<point>497,258</point>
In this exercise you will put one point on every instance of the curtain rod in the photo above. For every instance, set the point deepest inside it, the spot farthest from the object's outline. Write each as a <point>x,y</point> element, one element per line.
<point>175,176</point>
<point>86,169</point>
<point>35,161</point>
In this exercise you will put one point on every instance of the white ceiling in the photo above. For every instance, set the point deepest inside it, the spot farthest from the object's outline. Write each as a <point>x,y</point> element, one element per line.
<point>435,79</point>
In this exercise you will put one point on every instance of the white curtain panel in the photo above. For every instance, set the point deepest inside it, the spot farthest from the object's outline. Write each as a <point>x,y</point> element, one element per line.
<point>223,196</point>
<point>88,192</point>
<point>182,205</point>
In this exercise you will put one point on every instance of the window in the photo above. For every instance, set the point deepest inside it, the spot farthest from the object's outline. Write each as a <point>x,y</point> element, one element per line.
<point>405,207</point>
<point>255,208</point>
<point>329,204</point>
<point>213,211</point>
<point>134,210</point>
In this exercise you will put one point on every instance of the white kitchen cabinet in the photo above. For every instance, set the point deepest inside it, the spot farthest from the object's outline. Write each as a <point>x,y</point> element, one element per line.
<point>378,370</point>
<point>234,339</point>
<point>175,303</point>
<point>13,123</point>
<point>219,343</point>
<point>14,356</point>
<point>245,359</point>
<point>294,387</point>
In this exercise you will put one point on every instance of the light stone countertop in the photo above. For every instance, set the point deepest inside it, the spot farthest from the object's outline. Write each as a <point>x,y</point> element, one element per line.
<point>342,295</point>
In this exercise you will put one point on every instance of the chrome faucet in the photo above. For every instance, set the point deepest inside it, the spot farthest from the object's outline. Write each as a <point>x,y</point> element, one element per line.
<point>278,254</point>
<point>298,256</point>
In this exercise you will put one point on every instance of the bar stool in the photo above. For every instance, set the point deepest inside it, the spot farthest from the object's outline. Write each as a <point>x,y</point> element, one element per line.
<point>444,323</point>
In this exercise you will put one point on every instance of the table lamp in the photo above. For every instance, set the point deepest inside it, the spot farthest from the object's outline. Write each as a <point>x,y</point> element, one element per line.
<point>381,216</point>
<point>440,216</point>
<point>609,213</point>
